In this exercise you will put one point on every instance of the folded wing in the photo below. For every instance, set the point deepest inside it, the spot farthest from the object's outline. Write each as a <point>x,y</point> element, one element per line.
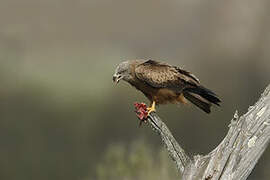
<point>162,75</point>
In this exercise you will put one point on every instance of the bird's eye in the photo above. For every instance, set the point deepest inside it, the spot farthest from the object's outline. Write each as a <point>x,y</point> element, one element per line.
<point>122,71</point>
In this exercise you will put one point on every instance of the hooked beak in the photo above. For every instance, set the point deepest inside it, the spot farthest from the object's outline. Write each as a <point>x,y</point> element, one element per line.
<point>117,78</point>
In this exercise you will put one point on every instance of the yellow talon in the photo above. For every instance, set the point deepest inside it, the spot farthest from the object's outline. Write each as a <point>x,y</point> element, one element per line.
<point>152,108</point>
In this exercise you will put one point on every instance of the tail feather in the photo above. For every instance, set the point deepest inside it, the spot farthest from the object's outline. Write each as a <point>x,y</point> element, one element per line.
<point>201,97</point>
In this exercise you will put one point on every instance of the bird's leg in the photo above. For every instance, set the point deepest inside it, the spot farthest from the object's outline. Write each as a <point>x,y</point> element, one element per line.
<point>152,108</point>
<point>142,111</point>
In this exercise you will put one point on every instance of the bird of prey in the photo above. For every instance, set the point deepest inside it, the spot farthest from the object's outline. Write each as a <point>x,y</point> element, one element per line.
<point>162,83</point>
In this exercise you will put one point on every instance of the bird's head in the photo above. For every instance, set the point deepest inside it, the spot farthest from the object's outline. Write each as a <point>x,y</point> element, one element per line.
<point>122,71</point>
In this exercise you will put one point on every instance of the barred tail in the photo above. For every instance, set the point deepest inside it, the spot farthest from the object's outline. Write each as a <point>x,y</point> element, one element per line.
<point>201,97</point>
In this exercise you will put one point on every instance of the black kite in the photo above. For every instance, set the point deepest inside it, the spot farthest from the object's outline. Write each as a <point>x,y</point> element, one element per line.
<point>162,83</point>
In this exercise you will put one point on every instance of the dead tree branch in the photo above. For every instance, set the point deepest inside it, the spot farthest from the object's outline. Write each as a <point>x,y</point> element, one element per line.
<point>175,151</point>
<point>235,157</point>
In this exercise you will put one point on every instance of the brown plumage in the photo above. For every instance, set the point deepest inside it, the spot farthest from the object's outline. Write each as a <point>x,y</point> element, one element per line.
<point>162,83</point>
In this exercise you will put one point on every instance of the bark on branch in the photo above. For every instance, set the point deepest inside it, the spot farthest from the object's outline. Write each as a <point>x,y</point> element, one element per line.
<point>235,157</point>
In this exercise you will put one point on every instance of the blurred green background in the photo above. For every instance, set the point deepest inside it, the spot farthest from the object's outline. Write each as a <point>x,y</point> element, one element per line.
<point>61,117</point>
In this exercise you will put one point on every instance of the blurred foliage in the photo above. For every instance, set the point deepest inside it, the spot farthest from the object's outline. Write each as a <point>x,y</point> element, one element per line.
<point>138,161</point>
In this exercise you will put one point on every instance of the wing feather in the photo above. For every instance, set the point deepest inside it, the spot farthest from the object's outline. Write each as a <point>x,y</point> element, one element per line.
<point>162,75</point>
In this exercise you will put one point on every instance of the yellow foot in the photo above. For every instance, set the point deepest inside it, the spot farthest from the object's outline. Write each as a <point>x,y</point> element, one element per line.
<point>152,108</point>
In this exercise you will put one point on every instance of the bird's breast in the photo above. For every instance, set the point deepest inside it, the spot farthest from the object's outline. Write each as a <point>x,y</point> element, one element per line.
<point>165,95</point>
